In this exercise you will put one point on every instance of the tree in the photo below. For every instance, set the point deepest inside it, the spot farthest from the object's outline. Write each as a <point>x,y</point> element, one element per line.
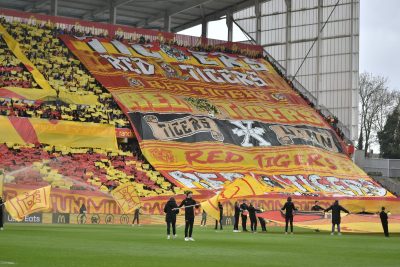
<point>376,101</point>
<point>389,137</point>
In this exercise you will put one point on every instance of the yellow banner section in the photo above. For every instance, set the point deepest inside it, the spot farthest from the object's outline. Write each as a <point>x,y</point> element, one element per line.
<point>28,94</point>
<point>29,202</point>
<point>210,206</point>
<point>214,157</point>
<point>14,47</point>
<point>47,95</point>
<point>8,133</point>
<point>75,134</point>
<point>247,186</point>
<point>61,133</point>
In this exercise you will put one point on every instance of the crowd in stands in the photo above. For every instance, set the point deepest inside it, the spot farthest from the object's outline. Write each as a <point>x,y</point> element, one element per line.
<point>57,110</point>
<point>12,72</point>
<point>64,73</point>
<point>80,169</point>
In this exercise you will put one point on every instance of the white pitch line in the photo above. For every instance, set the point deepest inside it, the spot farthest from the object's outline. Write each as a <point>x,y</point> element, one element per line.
<point>7,263</point>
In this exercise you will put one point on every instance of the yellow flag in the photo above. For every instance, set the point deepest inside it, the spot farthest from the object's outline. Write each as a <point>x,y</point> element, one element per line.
<point>126,197</point>
<point>247,186</point>
<point>211,207</point>
<point>29,202</point>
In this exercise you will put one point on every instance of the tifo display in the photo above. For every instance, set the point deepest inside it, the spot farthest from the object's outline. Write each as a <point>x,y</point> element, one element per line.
<point>99,124</point>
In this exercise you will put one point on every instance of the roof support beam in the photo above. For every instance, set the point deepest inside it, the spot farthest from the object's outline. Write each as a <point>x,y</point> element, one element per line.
<point>257,8</point>
<point>204,28</point>
<point>167,22</point>
<point>288,31</point>
<point>229,25</point>
<point>178,8</point>
<point>54,7</point>
<point>217,15</point>
<point>112,13</point>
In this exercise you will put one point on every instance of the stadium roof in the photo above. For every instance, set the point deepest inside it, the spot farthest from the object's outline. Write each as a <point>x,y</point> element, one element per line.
<point>149,14</point>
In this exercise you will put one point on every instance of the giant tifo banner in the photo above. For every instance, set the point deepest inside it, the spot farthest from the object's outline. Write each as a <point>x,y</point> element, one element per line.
<point>206,118</point>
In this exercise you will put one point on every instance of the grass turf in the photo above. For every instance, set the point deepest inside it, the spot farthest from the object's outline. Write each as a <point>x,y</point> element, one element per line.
<point>99,245</point>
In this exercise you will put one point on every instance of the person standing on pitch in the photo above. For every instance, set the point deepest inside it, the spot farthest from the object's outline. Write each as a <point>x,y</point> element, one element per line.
<point>262,221</point>
<point>136,217</point>
<point>203,218</point>
<point>336,219</point>
<point>253,218</point>
<point>237,213</point>
<point>1,214</point>
<point>221,213</point>
<point>189,203</point>
<point>82,213</point>
<point>317,207</point>
<point>171,209</point>
<point>384,221</point>
<point>290,208</point>
<point>243,209</point>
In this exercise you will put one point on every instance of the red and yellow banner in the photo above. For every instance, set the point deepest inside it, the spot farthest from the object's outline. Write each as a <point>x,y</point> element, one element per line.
<point>204,119</point>
<point>172,79</point>
<point>29,202</point>
<point>47,95</point>
<point>246,187</point>
<point>14,47</point>
<point>53,132</point>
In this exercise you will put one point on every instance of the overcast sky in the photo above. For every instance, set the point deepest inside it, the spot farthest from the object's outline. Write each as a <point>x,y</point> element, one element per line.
<point>379,38</point>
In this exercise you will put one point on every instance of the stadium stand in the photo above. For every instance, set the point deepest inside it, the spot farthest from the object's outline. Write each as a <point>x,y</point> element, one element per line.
<point>64,73</point>
<point>12,71</point>
<point>79,169</point>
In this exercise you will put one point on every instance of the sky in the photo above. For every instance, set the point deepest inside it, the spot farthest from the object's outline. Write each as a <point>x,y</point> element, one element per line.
<point>379,38</point>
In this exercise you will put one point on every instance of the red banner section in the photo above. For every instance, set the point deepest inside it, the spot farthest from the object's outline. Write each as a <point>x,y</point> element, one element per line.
<point>124,133</point>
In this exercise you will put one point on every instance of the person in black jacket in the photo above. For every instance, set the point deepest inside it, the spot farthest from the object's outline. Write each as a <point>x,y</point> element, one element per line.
<point>262,221</point>
<point>253,218</point>
<point>189,203</point>
<point>317,207</point>
<point>136,217</point>
<point>203,219</point>
<point>82,213</point>
<point>290,208</point>
<point>243,209</point>
<point>1,214</point>
<point>237,214</point>
<point>221,213</point>
<point>336,219</point>
<point>171,209</point>
<point>384,221</point>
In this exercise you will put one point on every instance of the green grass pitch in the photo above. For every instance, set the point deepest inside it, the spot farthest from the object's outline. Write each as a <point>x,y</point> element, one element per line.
<point>109,246</point>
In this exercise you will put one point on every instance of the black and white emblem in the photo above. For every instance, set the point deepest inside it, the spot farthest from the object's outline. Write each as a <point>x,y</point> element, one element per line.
<point>246,129</point>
